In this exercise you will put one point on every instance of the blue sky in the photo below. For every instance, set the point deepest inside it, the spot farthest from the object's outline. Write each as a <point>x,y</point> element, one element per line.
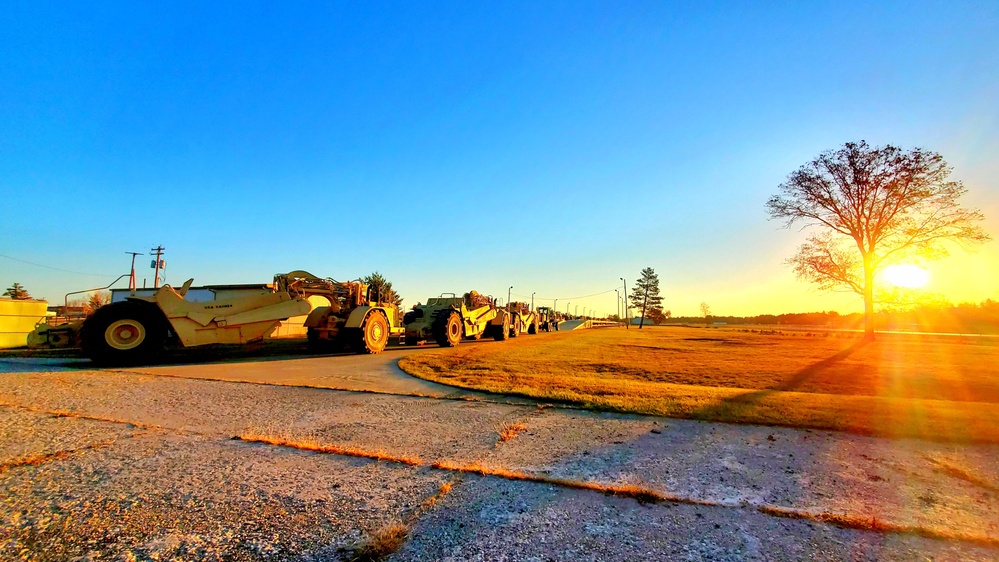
<point>550,146</point>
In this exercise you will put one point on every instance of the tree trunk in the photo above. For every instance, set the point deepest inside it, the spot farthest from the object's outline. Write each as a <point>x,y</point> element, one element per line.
<point>868,298</point>
<point>645,302</point>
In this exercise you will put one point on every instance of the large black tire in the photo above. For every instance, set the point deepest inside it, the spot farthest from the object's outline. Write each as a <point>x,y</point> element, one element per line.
<point>532,329</point>
<point>501,333</point>
<point>515,327</point>
<point>124,333</point>
<point>447,329</point>
<point>373,335</point>
<point>411,340</point>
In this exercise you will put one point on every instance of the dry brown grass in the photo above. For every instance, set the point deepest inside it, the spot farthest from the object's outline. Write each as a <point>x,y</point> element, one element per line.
<point>645,495</point>
<point>42,458</point>
<point>509,431</point>
<point>34,460</point>
<point>638,493</point>
<point>381,543</point>
<point>390,537</point>
<point>78,415</point>
<point>941,388</point>
<point>952,469</point>
<point>311,443</point>
<point>878,525</point>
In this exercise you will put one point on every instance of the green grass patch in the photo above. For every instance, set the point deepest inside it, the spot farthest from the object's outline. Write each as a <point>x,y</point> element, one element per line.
<point>939,388</point>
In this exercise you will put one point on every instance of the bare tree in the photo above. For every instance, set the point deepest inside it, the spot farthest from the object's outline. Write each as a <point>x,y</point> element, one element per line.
<point>645,295</point>
<point>17,292</point>
<point>706,312</point>
<point>878,206</point>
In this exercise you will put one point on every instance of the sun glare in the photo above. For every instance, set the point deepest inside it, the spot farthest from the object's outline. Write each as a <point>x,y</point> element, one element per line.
<point>906,276</point>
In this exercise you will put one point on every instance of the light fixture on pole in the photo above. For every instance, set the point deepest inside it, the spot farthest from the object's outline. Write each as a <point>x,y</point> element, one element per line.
<point>131,279</point>
<point>626,322</point>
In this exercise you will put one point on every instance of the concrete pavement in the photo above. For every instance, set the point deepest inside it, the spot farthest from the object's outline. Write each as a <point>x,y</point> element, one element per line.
<point>149,435</point>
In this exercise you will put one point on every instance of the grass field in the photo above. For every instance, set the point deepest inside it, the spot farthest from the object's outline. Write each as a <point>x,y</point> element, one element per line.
<point>933,387</point>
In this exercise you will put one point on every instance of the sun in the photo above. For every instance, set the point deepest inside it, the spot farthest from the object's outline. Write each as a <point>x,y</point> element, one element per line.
<point>906,276</point>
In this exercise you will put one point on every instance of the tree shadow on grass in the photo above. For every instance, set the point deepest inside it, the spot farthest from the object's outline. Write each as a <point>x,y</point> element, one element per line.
<point>737,407</point>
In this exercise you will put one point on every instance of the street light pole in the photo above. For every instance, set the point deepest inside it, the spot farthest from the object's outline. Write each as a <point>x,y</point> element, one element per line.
<point>532,301</point>
<point>508,297</point>
<point>131,279</point>
<point>627,324</point>
<point>617,302</point>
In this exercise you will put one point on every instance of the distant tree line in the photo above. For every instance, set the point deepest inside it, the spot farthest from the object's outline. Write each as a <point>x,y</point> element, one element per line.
<point>965,318</point>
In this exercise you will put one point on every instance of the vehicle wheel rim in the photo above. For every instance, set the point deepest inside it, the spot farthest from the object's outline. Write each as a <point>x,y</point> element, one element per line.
<point>125,334</point>
<point>377,332</point>
<point>455,330</point>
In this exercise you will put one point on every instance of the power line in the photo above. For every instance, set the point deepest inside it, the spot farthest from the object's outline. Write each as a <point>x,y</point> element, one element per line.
<point>565,298</point>
<point>55,268</point>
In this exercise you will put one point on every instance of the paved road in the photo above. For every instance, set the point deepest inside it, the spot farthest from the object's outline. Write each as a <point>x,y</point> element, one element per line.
<point>142,462</point>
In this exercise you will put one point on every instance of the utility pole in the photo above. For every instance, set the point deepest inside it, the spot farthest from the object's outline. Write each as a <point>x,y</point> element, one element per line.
<point>156,264</point>
<point>532,301</point>
<point>627,324</point>
<point>617,302</point>
<point>131,279</point>
<point>508,297</point>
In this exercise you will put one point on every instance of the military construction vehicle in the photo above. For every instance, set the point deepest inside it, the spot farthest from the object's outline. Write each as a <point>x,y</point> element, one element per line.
<point>448,319</point>
<point>548,318</point>
<point>523,319</point>
<point>135,330</point>
<point>354,319</point>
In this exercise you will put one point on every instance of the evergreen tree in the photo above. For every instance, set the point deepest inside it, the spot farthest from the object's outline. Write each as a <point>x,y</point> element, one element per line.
<point>645,295</point>
<point>17,292</point>
<point>382,290</point>
<point>96,300</point>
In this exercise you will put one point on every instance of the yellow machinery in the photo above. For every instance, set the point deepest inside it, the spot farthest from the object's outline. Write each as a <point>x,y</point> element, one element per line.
<point>548,318</point>
<point>448,319</point>
<point>137,329</point>
<point>523,319</point>
<point>354,318</point>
